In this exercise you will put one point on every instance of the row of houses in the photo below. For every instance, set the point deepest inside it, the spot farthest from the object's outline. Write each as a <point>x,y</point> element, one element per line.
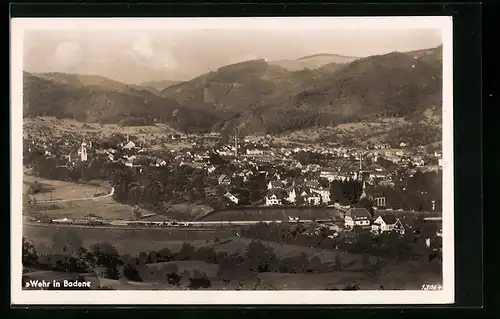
<point>361,217</point>
<point>379,223</point>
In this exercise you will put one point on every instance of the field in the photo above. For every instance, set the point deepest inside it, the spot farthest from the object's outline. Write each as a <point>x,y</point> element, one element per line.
<point>349,261</point>
<point>398,276</point>
<point>126,241</point>
<point>65,190</point>
<point>257,214</point>
<point>76,200</point>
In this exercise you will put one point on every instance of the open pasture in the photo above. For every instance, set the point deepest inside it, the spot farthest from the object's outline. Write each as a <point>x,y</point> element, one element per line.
<point>103,207</point>
<point>65,190</point>
<point>130,241</point>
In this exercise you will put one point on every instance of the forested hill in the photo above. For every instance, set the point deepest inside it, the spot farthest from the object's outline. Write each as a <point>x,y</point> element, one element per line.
<point>98,99</point>
<point>390,85</point>
<point>258,96</point>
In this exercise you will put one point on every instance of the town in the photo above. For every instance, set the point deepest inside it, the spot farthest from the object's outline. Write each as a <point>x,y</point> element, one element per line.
<point>382,202</point>
<point>380,189</point>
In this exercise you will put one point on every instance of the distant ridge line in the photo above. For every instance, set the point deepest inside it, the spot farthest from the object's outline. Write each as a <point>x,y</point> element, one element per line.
<point>327,54</point>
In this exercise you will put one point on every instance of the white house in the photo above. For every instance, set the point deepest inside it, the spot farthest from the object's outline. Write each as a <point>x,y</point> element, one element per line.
<point>324,194</point>
<point>210,168</point>
<point>388,223</point>
<point>224,180</point>
<point>130,145</point>
<point>273,200</point>
<point>254,152</point>
<point>314,199</point>
<point>357,217</point>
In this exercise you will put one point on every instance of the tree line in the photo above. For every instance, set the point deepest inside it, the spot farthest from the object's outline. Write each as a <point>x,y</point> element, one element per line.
<point>104,261</point>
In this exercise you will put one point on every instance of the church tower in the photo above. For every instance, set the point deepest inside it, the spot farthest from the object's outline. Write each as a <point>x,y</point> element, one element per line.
<point>236,143</point>
<point>83,152</point>
<point>363,194</point>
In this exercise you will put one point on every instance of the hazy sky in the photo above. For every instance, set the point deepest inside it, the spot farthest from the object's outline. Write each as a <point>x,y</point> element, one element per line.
<point>135,57</point>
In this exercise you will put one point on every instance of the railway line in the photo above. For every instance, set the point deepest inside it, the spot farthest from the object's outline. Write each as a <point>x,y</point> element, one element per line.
<point>134,225</point>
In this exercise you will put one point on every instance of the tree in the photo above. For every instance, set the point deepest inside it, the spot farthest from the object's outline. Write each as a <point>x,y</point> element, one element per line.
<point>199,280</point>
<point>131,272</point>
<point>172,274</point>
<point>106,256</point>
<point>259,257</point>
<point>142,259</point>
<point>187,252</point>
<point>166,255</point>
<point>337,263</point>
<point>30,255</point>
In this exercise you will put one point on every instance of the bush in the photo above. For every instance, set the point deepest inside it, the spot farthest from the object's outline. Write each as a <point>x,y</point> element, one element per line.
<point>172,274</point>
<point>131,273</point>
<point>199,280</point>
<point>187,252</point>
<point>259,257</point>
<point>30,255</point>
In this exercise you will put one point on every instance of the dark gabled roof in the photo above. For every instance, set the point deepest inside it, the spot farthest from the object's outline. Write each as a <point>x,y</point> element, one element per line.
<point>358,213</point>
<point>389,219</point>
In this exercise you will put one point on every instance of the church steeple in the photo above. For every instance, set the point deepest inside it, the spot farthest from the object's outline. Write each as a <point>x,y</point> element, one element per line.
<point>83,151</point>
<point>363,194</point>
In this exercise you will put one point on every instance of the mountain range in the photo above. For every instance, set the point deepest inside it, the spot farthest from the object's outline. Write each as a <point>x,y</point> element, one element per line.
<point>256,96</point>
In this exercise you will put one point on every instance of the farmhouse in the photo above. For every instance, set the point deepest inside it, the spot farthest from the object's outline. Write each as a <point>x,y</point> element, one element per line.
<point>388,223</point>
<point>357,217</point>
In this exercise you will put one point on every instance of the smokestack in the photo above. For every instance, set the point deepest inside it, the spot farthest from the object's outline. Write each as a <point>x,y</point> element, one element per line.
<point>236,142</point>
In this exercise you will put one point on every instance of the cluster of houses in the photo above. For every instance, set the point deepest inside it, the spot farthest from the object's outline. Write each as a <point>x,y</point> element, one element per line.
<point>361,217</point>
<point>380,223</point>
<point>291,191</point>
<point>254,154</point>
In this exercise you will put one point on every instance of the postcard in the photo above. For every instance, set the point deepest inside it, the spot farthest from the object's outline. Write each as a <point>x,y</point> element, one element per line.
<point>232,161</point>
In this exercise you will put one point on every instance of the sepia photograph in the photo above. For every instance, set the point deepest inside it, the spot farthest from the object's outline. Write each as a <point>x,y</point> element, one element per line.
<point>232,160</point>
